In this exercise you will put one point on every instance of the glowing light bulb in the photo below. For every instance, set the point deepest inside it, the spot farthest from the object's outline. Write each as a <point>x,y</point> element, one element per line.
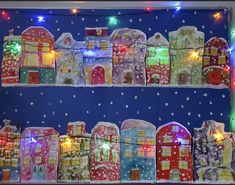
<point>41,19</point>
<point>106,146</point>
<point>33,140</point>
<point>178,8</point>
<point>218,135</point>
<point>18,47</point>
<point>217,15</point>
<point>149,9</point>
<point>113,21</point>
<point>74,10</point>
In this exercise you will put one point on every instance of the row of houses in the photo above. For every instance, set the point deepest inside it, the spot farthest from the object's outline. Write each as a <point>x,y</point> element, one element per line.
<point>124,57</point>
<point>140,152</point>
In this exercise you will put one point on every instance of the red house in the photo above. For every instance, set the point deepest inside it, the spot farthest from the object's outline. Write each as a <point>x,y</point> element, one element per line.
<point>105,152</point>
<point>215,65</point>
<point>174,156</point>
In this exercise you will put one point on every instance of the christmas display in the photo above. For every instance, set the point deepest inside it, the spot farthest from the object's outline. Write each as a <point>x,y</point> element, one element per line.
<point>97,56</point>
<point>11,56</point>
<point>129,49</point>
<point>138,159</point>
<point>9,153</point>
<point>70,62</point>
<point>158,60</point>
<point>213,153</point>
<point>39,154</point>
<point>37,59</point>
<point>186,52</point>
<point>105,152</point>
<point>216,67</point>
<point>74,151</point>
<point>174,157</point>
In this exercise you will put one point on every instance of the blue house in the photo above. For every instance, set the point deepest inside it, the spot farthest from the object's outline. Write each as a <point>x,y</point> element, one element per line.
<point>138,161</point>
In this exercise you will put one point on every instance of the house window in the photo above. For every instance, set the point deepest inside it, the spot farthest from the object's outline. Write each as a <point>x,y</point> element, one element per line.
<point>91,44</point>
<point>98,140</point>
<point>31,47</point>
<point>97,155</point>
<point>45,47</point>
<point>183,152</point>
<point>165,165</point>
<point>167,139</point>
<point>103,45</point>
<point>140,152</point>
<point>114,155</point>
<point>31,60</point>
<point>222,60</point>
<point>183,165</point>
<point>151,52</point>
<point>175,128</point>
<point>128,153</point>
<point>150,142</point>
<point>140,133</point>
<point>140,141</point>
<point>206,52</point>
<point>127,141</point>
<point>166,151</point>
<point>206,61</point>
<point>150,153</point>
<point>106,155</point>
<point>47,59</point>
<point>214,51</point>
<point>224,53</point>
<point>38,148</point>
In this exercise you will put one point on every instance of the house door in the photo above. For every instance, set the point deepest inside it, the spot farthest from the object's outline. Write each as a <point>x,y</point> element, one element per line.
<point>135,174</point>
<point>184,78</point>
<point>33,77</point>
<point>98,75</point>
<point>175,175</point>
<point>127,77</point>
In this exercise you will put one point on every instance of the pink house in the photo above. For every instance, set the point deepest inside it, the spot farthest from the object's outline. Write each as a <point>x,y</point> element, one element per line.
<point>39,154</point>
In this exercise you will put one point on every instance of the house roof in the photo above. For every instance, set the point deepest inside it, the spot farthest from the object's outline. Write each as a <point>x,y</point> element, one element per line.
<point>25,32</point>
<point>136,123</point>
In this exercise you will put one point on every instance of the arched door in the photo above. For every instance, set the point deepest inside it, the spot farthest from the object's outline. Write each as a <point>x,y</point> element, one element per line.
<point>184,78</point>
<point>98,75</point>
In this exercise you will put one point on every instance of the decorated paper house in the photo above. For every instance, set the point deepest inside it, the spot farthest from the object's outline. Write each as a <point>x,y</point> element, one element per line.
<point>186,52</point>
<point>214,154</point>
<point>39,154</point>
<point>129,50</point>
<point>158,60</point>
<point>105,152</point>
<point>216,70</point>
<point>74,154</point>
<point>174,157</point>
<point>69,64</point>
<point>138,159</point>
<point>9,153</point>
<point>37,65</point>
<point>11,58</point>
<point>97,56</point>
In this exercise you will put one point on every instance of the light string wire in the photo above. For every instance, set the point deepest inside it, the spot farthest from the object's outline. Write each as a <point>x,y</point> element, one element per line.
<point>39,137</point>
<point>156,10</point>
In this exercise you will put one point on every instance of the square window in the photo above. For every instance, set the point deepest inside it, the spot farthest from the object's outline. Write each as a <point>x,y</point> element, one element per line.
<point>183,165</point>
<point>140,152</point>
<point>165,165</point>
<point>184,152</point>
<point>47,59</point>
<point>128,153</point>
<point>166,151</point>
<point>167,139</point>
<point>141,133</point>
<point>91,45</point>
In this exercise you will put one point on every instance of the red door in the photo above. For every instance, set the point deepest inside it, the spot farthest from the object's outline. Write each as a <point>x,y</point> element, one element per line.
<point>33,77</point>
<point>98,76</point>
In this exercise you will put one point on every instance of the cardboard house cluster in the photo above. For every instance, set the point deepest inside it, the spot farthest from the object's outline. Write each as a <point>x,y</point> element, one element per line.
<point>124,57</point>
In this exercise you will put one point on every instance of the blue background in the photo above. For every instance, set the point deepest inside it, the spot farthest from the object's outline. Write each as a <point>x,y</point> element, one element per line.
<point>55,106</point>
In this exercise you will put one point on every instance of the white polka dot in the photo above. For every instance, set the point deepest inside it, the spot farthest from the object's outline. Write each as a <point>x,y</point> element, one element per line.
<point>31,103</point>
<point>119,13</point>
<point>166,30</point>
<point>183,21</point>
<point>158,94</point>
<point>83,19</point>
<point>182,106</point>
<point>189,113</point>
<point>99,104</point>
<point>111,103</point>
<point>203,27</point>
<point>176,92</point>
<point>78,33</point>
<point>160,119</point>
<point>41,93</point>
<point>87,111</point>
<point>211,31</point>
<point>211,113</point>
<point>194,92</point>
<point>188,123</point>
<point>172,114</point>
<point>43,122</point>
<point>44,115</point>
<point>149,29</point>
<point>56,21</point>
<point>136,97</point>
<point>72,22</point>
<point>210,102</point>
<point>187,98</point>
<point>66,114</point>
<point>58,29</point>
<point>205,94</point>
<point>221,114</point>
<point>74,96</point>
<point>199,115</point>
<point>130,20</point>
<point>21,94</point>
<point>92,91</point>
<point>96,20</point>
<point>149,107</point>
<point>59,126</point>
<point>223,96</point>
<point>60,101</point>
<point>140,19</point>
<point>18,27</point>
<point>156,17</point>
<point>137,112</point>
<point>104,115</point>
<point>122,93</point>
<point>27,122</point>
<point>127,106</point>
<point>166,104</point>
